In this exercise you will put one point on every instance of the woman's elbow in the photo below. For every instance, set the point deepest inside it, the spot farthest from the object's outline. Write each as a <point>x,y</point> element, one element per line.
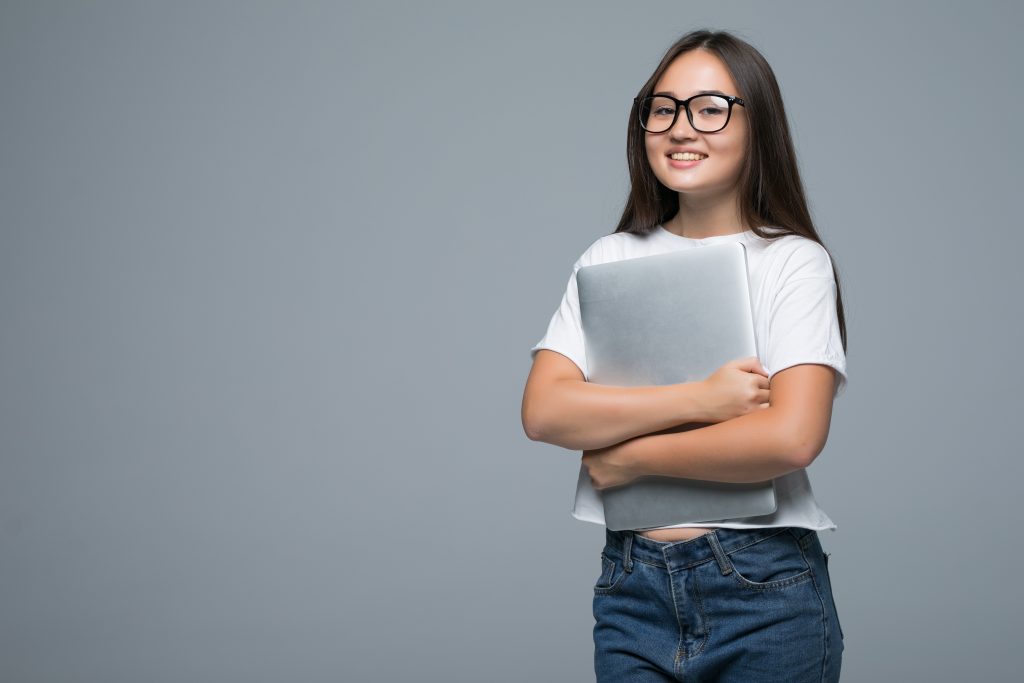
<point>532,427</point>
<point>533,417</point>
<point>807,444</point>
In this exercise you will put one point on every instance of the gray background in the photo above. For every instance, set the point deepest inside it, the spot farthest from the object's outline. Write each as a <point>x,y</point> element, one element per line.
<point>269,274</point>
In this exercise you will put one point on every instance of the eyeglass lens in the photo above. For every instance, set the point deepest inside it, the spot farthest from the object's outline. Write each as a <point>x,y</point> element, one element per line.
<point>710,113</point>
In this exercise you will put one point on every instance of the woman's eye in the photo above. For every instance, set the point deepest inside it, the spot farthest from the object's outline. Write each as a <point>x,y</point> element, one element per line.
<point>711,111</point>
<point>664,111</point>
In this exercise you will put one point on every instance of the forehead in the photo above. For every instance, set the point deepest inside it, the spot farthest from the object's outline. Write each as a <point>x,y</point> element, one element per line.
<point>693,72</point>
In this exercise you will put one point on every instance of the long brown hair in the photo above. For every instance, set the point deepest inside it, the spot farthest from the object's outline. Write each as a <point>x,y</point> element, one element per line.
<point>771,192</point>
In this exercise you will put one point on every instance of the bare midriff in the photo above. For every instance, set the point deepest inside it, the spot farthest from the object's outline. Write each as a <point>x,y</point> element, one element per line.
<point>681,534</point>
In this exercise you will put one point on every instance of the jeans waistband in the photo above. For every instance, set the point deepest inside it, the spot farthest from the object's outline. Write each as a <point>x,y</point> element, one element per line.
<point>714,545</point>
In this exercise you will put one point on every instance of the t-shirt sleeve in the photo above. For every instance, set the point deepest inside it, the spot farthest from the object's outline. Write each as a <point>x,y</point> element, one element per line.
<point>565,330</point>
<point>804,322</point>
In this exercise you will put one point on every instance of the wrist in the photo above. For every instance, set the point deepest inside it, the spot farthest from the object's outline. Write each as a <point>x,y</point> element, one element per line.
<point>633,458</point>
<point>691,403</point>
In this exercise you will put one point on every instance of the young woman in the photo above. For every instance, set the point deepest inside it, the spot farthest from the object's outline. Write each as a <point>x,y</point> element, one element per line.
<point>747,599</point>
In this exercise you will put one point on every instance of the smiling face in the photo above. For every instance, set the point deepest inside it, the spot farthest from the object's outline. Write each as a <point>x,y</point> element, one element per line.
<point>715,177</point>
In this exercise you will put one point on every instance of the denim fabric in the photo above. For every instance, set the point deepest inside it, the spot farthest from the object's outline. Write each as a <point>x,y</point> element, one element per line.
<point>746,605</point>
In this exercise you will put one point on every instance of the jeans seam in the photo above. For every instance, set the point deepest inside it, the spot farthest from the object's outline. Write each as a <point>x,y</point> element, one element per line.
<point>778,584</point>
<point>703,616</point>
<point>832,591</point>
<point>680,652</point>
<point>781,584</point>
<point>607,570</point>
<point>760,540</point>
<point>615,585</point>
<point>824,619</point>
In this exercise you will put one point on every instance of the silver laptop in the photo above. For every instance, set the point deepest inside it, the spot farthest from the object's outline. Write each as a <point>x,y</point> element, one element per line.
<point>666,319</point>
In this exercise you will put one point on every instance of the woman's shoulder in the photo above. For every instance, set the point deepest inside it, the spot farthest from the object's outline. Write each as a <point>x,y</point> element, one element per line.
<point>799,256</point>
<point>613,247</point>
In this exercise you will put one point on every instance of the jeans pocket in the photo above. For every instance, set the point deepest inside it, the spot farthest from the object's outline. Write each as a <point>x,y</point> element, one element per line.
<point>835,611</point>
<point>612,574</point>
<point>770,564</point>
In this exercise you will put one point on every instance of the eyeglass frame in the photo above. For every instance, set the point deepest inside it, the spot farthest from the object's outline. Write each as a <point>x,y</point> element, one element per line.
<point>685,104</point>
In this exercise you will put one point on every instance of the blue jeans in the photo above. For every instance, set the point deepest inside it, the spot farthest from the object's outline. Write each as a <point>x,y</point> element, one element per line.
<point>746,605</point>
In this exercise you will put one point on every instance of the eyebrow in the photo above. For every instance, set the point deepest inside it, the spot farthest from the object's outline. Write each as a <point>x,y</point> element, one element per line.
<point>699,92</point>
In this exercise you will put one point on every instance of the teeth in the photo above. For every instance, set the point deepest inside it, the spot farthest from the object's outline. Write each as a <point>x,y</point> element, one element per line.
<point>688,156</point>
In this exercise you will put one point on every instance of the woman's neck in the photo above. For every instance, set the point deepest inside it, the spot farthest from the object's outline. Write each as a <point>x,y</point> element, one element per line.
<point>699,220</point>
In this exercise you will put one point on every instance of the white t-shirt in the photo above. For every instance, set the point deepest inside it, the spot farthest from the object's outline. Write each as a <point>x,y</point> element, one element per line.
<point>793,292</point>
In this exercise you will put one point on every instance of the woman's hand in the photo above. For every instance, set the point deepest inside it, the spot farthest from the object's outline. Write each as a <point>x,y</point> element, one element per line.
<point>737,388</point>
<point>611,466</point>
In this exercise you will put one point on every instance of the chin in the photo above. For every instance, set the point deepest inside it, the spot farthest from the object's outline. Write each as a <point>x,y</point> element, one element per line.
<point>677,186</point>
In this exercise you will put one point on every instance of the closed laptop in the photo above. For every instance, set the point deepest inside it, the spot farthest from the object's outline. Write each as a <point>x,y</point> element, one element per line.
<point>666,319</point>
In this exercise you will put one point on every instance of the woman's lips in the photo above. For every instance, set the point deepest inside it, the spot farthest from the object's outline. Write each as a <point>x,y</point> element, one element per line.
<point>683,164</point>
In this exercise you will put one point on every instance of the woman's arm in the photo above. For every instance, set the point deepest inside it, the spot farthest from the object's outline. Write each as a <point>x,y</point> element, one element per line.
<point>784,437</point>
<point>560,408</point>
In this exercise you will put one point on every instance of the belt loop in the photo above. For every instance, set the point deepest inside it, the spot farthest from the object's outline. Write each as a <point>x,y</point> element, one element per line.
<point>716,547</point>
<point>627,548</point>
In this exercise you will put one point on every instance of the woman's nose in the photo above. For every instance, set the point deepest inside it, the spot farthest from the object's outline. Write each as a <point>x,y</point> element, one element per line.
<point>682,128</point>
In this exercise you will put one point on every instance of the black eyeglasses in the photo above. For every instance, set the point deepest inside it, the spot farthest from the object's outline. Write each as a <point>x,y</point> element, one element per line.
<point>706,113</point>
